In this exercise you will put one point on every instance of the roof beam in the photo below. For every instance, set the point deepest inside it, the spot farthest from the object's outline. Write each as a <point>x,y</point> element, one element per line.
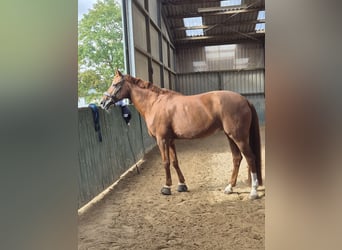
<point>221,9</point>
<point>250,35</point>
<point>182,2</point>
<point>225,12</point>
<point>229,12</point>
<point>217,42</point>
<point>220,24</point>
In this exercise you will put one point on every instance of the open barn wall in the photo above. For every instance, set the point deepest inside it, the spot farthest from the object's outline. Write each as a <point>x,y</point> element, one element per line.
<point>102,163</point>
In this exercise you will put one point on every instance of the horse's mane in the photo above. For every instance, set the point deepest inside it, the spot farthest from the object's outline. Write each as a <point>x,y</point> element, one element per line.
<point>148,85</point>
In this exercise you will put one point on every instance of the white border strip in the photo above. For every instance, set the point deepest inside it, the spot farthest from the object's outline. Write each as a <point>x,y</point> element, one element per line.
<point>105,192</point>
<point>130,36</point>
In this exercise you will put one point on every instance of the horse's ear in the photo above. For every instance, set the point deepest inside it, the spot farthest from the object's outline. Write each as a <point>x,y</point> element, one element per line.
<point>118,73</point>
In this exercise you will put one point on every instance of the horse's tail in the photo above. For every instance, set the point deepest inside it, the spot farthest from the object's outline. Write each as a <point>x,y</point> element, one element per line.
<point>254,142</point>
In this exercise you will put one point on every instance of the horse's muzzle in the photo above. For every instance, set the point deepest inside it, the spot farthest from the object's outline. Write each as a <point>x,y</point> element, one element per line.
<point>106,103</point>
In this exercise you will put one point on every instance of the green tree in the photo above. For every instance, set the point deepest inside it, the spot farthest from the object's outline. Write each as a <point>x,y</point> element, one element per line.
<point>89,84</point>
<point>100,48</point>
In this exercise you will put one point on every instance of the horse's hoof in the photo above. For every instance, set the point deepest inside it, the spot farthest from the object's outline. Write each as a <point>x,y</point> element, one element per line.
<point>166,191</point>
<point>253,195</point>
<point>182,188</point>
<point>228,189</point>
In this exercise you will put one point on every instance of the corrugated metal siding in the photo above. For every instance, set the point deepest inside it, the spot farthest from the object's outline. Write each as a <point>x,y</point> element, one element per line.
<point>102,163</point>
<point>190,84</point>
<point>244,82</point>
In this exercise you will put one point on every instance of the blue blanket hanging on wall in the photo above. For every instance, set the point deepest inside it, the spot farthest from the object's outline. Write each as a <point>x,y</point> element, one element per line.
<point>96,118</point>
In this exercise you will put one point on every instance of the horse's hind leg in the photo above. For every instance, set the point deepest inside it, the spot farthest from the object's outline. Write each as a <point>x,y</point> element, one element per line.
<point>173,157</point>
<point>237,157</point>
<point>250,158</point>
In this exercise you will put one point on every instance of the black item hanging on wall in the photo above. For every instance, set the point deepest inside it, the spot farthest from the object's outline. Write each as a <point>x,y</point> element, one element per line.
<point>96,118</point>
<point>126,114</point>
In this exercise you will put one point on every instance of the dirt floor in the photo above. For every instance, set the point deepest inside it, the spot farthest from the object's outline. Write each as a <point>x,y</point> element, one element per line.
<point>134,215</point>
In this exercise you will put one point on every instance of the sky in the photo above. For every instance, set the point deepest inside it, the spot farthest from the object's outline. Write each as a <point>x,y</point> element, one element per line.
<point>84,6</point>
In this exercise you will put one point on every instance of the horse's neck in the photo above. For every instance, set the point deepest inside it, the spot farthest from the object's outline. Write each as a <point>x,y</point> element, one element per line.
<point>143,99</point>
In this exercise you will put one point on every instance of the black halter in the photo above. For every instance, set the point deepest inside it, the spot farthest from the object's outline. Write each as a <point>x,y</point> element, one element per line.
<point>117,89</point>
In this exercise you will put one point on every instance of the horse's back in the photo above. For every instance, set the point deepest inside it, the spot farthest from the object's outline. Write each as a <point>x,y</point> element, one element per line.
<point>225,102</point>
<point>202,114</point>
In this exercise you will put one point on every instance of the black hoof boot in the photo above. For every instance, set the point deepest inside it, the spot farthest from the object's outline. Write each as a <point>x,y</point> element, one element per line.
<point>166,191</point>
<point>182,188</point>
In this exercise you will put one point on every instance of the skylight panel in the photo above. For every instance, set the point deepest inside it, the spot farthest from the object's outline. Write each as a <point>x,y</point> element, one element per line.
<point>230,3</point>
<point>195,32</point>
<point>192,21</point>
<point>260,27</point>
<point>261,15</point>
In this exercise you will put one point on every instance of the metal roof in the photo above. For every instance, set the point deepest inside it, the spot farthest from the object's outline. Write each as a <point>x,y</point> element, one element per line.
<point>220,25</point>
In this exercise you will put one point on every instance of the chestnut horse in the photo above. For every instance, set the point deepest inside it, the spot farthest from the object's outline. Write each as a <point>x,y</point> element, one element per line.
<point>170,115</point>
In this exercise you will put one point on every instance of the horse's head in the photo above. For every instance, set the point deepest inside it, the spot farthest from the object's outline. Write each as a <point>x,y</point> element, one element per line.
<point>117,91</point>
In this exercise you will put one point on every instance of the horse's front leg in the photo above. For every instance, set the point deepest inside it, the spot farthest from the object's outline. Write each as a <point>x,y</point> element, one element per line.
<point>173,156</point>
<point>164,145</point>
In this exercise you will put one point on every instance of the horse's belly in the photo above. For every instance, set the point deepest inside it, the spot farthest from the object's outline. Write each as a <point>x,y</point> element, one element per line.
<point>195,130</point>
<point>194,120</point>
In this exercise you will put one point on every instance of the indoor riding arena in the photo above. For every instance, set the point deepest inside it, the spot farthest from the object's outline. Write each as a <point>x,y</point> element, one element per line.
<point>190,47</point>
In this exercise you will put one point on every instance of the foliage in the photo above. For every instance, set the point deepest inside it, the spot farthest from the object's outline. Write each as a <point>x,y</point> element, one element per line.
<point>89,82</point>
<point>100,48</point>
